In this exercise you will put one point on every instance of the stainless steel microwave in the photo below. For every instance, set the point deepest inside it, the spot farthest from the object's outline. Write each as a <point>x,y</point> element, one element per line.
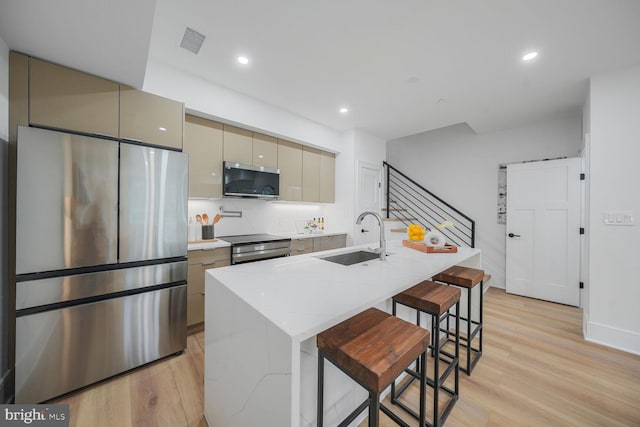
<point>242,180</point>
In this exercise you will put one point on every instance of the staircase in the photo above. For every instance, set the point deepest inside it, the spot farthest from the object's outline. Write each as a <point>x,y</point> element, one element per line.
<point>408,202</point>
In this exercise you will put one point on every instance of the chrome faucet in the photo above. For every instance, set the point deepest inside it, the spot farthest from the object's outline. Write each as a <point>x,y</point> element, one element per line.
<point>383,243</point>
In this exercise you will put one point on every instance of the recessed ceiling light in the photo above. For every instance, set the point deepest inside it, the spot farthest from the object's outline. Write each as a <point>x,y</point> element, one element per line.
<point>243,60</point>
<point>344,110</point>
<point>529,56</point>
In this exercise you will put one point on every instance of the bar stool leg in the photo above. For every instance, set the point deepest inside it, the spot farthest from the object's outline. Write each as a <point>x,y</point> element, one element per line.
<point>393,383</point>
<point>481,317</point>
<point>472,357</point>
<point>469,293</point>
<point>457,350</point>
<point>423,389</point>
<point>374,409</point>
<point>435,352</point>
<point>320,415</point>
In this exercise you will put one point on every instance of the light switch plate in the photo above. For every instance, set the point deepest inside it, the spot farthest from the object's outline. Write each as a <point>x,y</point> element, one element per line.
<point>619,218</point>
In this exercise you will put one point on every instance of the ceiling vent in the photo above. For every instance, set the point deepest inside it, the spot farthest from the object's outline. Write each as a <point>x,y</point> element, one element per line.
<point>192,40</point>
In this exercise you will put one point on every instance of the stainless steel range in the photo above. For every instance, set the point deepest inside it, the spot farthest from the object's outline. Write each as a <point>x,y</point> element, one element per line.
<point>256,247</point>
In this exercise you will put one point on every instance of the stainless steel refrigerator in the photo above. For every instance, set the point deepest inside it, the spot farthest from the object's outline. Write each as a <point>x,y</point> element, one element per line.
<point>101,245</point>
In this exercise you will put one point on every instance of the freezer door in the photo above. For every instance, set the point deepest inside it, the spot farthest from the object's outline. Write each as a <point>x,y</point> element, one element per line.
<point>61,350</point>
<point>153,203</point>
<point>66,201</point>
<point>62,289</point>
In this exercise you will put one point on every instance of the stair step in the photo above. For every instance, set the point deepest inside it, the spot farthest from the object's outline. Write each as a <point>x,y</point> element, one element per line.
<point>394,210</point>
<point>400,219</point>
<point>398,230</point>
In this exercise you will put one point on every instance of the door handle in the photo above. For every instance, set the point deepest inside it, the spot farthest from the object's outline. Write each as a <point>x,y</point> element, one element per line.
<point>364,231</point>
<point>513,235</point>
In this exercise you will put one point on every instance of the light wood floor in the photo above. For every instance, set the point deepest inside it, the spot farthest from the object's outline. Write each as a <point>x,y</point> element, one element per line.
<point>536,370</point>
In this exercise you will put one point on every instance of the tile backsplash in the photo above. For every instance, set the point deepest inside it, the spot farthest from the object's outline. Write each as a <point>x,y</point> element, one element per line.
<point>258,216</point>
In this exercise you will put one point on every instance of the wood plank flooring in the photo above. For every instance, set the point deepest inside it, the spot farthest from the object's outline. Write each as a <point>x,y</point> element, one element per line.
<point>536,370</point>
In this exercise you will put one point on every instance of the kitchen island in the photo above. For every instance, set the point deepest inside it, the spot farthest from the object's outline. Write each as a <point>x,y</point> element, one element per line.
<point>262,320</point>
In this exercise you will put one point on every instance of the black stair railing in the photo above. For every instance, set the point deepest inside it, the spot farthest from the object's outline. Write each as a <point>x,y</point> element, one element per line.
<point>409,202</point>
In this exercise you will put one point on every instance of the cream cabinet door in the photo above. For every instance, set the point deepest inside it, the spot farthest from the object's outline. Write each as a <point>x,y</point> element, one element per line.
<point>18,96</point>
<point>198,262</point>
<point>327,177</point>
<point>290,165</point>
<point>71,100</point>
<point>150,118</point>
<point>238,145</point>
<point>310,174</point>
<point>203,143</point>
<point>302,246</point>
<point>325,243</point>
<point>265,150</point>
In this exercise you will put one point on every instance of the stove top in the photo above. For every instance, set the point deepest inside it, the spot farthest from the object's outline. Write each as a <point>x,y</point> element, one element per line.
<point>252,238</point>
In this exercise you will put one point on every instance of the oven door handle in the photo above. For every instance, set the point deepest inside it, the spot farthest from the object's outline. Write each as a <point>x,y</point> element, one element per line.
<point>263,254</point>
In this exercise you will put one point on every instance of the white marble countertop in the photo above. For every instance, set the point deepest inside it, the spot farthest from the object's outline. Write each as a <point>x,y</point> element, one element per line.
<point>213,244</point>
<point>304,295</point>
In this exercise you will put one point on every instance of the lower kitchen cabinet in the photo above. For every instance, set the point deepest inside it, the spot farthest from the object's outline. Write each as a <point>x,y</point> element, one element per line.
<point>325,243</point>
<point>302,246</point>
<point>195,311</point>
<point>315,244</point>
<point>198,262</point>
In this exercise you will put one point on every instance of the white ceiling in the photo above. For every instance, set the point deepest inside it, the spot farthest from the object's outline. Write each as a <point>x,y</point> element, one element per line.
<point>390,62</point>
<point>106,38</point>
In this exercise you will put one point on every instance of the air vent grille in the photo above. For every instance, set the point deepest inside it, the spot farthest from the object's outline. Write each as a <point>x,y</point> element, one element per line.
<point>192,40</point>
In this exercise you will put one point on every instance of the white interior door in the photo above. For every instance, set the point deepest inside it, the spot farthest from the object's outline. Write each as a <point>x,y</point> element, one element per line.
<point>367,199</point>
<point>543,224</point>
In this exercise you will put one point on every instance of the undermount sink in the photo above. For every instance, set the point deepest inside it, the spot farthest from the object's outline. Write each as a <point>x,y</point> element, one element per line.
<point>351,258</point>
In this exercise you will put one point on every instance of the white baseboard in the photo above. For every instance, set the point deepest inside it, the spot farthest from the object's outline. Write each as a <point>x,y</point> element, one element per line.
<point>617,338</point>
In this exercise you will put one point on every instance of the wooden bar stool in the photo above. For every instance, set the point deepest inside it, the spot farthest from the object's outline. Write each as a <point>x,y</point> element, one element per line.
<point>436,300</point>
<point>468,278</point>
<point>372,348</point>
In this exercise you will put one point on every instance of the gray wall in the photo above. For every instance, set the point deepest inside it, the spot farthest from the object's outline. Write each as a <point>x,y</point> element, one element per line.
<point>461,167</point>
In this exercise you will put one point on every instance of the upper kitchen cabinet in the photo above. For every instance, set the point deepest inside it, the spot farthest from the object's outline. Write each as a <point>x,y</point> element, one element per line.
<point>67,99</point>
<point>290,165</point>
<point>238,145</point>
<point>327,177</point>
<point>150,118</point>
<point>18,94</point>
<point>310,174</point>
<point>203,143</point>
<point>265,150</point>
